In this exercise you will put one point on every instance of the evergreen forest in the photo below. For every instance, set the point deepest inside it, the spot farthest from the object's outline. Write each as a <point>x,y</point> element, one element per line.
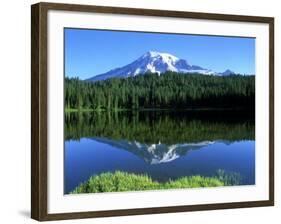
<point>167,91</point>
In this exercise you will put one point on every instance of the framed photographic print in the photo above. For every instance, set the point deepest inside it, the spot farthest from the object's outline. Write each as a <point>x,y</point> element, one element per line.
<point>139,111</point>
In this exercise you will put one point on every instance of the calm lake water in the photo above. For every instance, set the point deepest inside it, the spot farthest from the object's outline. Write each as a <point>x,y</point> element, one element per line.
<point>165,145</point>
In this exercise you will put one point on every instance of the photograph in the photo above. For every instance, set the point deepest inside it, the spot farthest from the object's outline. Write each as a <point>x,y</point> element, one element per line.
<point>149,111</point>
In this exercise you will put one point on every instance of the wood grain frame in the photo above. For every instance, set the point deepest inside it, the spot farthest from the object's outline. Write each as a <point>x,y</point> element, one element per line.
<point>39,148</point>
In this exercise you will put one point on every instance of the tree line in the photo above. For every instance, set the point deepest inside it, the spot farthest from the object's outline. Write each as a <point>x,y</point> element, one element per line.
<point>169,90</point>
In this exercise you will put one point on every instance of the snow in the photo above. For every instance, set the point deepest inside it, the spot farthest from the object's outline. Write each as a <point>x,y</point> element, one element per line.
<point>154,153</point>
<point>155,62</point>
<point>166,56</point>
<point>201,71</point>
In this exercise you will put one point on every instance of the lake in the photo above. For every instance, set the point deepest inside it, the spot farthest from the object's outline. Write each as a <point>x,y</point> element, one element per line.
<point>165,145</point>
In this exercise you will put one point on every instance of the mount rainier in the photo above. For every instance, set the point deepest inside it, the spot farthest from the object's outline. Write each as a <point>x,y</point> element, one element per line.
<point>156,62</point>
<point>154,153</point>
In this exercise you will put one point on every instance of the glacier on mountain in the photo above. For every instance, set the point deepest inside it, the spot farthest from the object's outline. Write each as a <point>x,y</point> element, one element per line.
<point>155,153</point>
<point>155,62</point>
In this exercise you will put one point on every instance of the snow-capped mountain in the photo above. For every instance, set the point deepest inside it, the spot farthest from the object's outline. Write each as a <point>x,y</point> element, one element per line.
<point>153,62</point>
<point>155,153</point>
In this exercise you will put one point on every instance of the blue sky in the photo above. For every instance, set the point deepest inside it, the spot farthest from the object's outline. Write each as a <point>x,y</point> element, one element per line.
<point>92,52</point>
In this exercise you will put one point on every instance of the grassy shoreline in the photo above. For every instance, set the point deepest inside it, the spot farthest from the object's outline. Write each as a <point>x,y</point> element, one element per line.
<point>123,181</point>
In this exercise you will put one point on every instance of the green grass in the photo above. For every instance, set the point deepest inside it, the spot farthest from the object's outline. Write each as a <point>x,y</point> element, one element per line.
<point>122,181</point>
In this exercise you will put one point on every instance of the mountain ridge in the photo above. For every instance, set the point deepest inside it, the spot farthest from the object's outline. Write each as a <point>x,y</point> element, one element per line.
<point>156,62</point>
<point>155,153</point>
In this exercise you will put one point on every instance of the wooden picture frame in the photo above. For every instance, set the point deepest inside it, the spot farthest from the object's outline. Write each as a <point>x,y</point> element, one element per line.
<point>39,110</point>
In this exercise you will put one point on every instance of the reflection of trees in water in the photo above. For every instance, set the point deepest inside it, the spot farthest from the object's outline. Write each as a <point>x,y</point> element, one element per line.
<point>160,126</point>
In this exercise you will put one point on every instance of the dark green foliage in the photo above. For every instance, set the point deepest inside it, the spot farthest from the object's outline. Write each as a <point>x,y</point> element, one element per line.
<point>170,90</point>
<point>161,126</point>
<point>122,181</point>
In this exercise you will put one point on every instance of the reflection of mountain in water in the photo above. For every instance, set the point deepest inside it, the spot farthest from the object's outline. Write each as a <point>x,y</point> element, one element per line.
<point>154,153</point>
